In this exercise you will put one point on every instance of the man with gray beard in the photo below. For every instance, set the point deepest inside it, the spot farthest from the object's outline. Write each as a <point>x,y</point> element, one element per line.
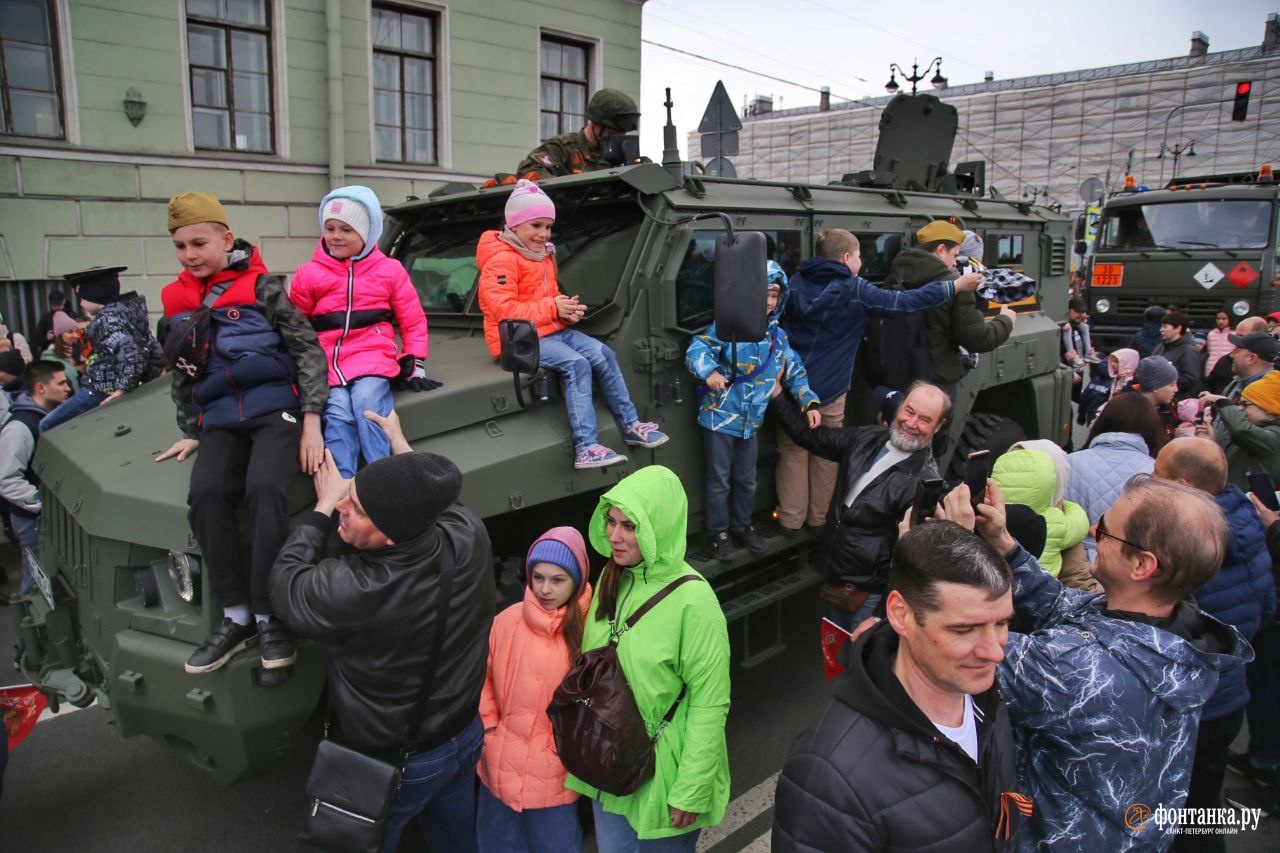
<point>880,470</point>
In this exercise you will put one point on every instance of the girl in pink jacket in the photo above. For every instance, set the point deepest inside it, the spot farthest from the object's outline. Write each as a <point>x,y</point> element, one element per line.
<point>523,802</point>
<point>352,293</point>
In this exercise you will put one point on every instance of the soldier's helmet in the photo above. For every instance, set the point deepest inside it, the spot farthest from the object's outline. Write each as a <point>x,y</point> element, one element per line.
<point>613,109</point>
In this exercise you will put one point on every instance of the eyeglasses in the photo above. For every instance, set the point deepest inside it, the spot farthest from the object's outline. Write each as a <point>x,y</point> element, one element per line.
<point>1102,531</point>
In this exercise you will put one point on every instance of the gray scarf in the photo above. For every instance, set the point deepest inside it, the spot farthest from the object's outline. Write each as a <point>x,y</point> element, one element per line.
<point>509,237</point>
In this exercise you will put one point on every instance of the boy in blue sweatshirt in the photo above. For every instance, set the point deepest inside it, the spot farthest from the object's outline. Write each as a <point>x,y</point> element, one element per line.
<point>739,383</point>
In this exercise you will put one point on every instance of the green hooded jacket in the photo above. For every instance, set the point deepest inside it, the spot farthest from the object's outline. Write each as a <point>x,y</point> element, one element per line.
<point>959,323</point>
<point>1028,477</point>
<point>683,640</point>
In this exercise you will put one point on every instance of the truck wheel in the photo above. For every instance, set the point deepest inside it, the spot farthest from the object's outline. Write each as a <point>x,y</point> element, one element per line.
<point>983,432</point>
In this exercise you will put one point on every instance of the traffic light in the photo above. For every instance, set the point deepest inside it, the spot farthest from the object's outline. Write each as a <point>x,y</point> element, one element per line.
<point>1240,108</point>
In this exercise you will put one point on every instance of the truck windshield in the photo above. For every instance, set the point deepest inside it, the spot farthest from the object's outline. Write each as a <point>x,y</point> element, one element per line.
<point>1236,224</point>
<point>593,243</point>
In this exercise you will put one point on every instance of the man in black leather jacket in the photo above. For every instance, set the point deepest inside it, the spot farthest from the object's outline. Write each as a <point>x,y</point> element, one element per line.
<point>915,750</point>
<point>376,610</point>
<point>862,521</point>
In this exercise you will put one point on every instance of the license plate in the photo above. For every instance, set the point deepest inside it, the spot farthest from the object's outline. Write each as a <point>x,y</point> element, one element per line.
<point>39,577</point>
<point>1107,275</point>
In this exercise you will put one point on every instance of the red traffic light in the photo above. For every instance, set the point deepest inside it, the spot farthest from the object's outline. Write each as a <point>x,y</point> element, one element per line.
<point>1240,104</point>
<point>1243,88</point>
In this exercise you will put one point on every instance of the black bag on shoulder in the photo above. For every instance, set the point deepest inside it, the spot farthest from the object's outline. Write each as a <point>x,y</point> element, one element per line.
<point>186,346</point>
<point>600,734</point>
<point>350,794</point>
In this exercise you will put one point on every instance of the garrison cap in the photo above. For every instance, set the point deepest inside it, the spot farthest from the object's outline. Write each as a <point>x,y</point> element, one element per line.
<point>613,109</point>
<point>939,229</point>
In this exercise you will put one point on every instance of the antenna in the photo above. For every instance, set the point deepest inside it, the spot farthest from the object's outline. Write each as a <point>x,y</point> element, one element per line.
<point>670,146</point>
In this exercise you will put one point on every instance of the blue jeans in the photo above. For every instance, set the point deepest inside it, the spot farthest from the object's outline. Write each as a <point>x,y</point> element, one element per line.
<point>730,481</point>
<point>438,794</point>
<point>502,829</point>
<point>577,357</point>
<point>26,529</point>
<point>1263,710</point>
<point>84,400</point>
<point>348,434</point>
<point>615,835</point>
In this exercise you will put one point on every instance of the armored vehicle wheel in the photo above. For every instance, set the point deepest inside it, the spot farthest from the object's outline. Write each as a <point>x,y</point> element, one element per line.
<point>983,432</point>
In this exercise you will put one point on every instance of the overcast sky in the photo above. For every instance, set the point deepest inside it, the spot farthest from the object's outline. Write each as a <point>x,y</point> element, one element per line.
<point>848,45</point>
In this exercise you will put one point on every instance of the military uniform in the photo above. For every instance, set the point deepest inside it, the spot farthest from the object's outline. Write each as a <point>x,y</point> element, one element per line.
<point>566,154</point>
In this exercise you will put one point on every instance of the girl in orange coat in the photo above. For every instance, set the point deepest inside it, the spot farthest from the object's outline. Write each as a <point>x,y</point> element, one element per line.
<point>523,804</point>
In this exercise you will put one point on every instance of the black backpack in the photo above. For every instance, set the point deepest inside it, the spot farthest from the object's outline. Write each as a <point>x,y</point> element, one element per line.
<point>896,350</point>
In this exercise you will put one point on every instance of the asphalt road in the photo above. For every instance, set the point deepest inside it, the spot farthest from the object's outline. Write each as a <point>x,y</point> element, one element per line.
<point>74,786</point>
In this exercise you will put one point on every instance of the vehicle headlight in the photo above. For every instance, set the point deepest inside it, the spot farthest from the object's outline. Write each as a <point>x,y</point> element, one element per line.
<point>184,569</point>
<point>1240,309</point>
<point>1103,305</point>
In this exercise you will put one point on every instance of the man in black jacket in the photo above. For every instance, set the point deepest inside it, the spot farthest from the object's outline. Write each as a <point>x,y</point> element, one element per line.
<point>376,609</point>
<point>880,468</point>
<point>915,751</point>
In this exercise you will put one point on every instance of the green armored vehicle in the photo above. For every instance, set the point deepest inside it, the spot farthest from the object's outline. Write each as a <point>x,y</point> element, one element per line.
<point>1207,243</point>
<point>122,602</point>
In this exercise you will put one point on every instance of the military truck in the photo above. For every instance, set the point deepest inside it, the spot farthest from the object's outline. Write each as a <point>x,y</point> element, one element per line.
<point>122,601</point>
<point>1206,243</point>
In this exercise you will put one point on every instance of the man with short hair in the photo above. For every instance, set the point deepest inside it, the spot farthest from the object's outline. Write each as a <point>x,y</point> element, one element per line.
<point>879,470</point>
<point>959,324</point>
<point>825,318</point>
<point>1178,347</point>
<point>610,113</point>
<point>914,751</point>
<point>47,387</point>
<point>44,326</point>
<point>377,610</point>
<point>1104,692</point>
<point>1242,594</point>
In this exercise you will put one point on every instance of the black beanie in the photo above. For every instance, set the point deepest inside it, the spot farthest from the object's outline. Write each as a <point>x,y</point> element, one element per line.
<point>404,494</point>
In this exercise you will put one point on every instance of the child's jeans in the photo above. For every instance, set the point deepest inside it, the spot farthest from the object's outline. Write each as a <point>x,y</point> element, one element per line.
<point>502,829</point>
<point>85,400</point>
<point>576,357</point>
<point>730,482</point>
<point>347,432</point>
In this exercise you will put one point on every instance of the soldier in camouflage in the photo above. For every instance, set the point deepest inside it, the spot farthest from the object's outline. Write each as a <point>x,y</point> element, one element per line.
<point>609,113</point>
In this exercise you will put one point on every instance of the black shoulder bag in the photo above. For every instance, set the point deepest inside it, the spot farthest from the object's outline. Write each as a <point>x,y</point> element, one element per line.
<point>186,346</point>
<point>350,794</point>
<point>600,735</point>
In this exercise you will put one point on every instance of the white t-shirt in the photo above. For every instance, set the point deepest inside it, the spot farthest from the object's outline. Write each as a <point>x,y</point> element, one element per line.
<point>891,457</point>
<point>965,735</point>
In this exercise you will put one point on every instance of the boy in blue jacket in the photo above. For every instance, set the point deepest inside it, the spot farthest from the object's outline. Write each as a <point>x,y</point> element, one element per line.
<point>732,409</point>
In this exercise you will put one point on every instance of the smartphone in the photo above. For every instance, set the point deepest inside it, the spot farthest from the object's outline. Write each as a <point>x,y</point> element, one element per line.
<point>928,493</point>
<point>1261,484</point>
<point>975,476</point>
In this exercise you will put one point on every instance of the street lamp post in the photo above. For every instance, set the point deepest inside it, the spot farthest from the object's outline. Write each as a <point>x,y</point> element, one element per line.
<point>1185,149</point>
<point>937,81</point>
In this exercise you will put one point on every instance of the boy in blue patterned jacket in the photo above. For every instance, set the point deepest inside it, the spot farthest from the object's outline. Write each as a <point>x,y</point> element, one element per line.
<point>732,409</point>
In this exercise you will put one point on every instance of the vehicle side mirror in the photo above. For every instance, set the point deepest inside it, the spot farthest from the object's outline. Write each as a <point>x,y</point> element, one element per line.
<point>1081,247</point>
<point>740,288</point>
<point>518,346</point>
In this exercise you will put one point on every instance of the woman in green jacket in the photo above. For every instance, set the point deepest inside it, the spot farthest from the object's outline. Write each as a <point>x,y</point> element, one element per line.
<point>682,643</point>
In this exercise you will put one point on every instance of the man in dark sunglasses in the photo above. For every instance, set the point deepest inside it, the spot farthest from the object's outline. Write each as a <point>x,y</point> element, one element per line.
<point>1105,691</point>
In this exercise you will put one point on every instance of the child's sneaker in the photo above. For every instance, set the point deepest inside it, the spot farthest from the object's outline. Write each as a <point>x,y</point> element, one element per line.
<point>722,547</point>
<point>598,456</point>
<point>645,434</point>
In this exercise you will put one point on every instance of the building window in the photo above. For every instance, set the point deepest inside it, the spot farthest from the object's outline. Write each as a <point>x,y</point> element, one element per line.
<point>404,86</point>
<point>564,86</point>
<point>30,95</point>
<point>229,50</point>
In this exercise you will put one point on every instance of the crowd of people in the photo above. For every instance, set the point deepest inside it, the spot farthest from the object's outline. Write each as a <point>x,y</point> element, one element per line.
<point>1078,633</point>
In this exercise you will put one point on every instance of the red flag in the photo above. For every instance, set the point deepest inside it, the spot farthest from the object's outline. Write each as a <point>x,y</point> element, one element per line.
<point>833,640</point>
<point>21,706</point>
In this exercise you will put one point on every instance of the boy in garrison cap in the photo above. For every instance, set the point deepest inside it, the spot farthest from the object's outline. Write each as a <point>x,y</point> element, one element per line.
<point>250,402</point>
<point>122,352</point>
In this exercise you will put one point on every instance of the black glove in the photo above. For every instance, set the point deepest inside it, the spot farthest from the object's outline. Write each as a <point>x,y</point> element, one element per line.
<point>413,376</point>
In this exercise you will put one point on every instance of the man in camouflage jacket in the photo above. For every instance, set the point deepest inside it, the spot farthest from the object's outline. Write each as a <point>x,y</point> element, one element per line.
<point>610,112</point>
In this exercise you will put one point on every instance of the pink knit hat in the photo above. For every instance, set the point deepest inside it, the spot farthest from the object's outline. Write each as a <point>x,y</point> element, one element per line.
<point>528,202</point>
<point>62,322</point>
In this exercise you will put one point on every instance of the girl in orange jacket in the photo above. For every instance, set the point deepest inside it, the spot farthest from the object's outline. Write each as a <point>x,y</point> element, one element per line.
<point>523,804</point>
